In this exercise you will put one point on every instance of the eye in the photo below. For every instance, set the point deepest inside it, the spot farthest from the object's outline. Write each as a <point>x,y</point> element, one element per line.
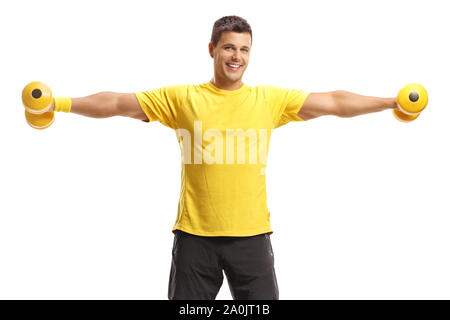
<point>246,50</point>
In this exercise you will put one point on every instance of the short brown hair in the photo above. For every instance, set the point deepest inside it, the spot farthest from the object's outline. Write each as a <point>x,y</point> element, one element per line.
<point>229,23</point>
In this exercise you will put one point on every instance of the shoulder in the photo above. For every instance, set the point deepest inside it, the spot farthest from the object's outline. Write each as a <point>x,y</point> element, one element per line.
<point>270,91</point>
<point>176,91</point>
<point>178,88</point>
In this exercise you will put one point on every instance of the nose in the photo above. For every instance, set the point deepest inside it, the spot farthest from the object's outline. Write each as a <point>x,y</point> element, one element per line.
<point>237,57</point>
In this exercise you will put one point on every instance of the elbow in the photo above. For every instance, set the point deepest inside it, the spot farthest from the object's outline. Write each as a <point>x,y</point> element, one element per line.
<point>108,102</point>
<point>341,105</point>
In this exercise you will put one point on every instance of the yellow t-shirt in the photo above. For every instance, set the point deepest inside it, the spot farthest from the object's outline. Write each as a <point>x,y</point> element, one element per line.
<point>224,137</point>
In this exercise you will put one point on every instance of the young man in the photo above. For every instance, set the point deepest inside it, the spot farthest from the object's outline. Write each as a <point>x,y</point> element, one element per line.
<point>223,222</point>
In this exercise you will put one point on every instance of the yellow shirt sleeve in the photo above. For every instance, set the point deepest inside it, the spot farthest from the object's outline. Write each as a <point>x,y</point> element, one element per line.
<point>285,104</point>
<point>163,104</point>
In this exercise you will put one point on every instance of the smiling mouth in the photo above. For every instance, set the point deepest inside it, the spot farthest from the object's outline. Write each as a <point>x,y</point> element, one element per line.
<point>233,68</point>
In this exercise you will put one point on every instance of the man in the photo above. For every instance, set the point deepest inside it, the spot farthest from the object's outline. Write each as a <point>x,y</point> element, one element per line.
<point>223,223</point>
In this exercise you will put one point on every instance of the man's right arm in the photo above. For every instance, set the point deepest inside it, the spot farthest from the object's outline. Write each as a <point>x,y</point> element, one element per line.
<point>108,104</point>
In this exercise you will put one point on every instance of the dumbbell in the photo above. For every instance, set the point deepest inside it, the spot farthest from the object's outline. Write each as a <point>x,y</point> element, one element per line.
<point>37,99</point>
<point>411,100</point>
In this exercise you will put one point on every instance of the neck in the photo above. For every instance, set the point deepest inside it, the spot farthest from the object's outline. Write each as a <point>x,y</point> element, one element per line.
<point>227,85</point>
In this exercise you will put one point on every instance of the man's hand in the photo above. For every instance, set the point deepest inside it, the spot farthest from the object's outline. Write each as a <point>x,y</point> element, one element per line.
<point>52,106</point>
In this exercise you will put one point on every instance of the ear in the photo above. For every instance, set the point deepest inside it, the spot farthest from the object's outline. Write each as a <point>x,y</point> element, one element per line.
<point>211,49</point>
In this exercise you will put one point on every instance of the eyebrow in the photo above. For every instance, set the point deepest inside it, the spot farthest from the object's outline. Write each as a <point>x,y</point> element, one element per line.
<point>230,44</point>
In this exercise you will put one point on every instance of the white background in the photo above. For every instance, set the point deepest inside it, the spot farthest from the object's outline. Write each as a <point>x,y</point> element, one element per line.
<point>359,205</point>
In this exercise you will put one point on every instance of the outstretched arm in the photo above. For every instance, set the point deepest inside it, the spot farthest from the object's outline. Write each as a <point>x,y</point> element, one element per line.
<point>343,104</point>
<point>107,104</point>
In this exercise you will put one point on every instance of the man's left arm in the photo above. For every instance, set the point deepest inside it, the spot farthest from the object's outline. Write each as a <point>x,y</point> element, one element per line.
<point>343,104</point>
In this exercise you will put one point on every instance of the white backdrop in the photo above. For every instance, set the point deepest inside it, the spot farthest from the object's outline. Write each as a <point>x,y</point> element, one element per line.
<point>358,205</point>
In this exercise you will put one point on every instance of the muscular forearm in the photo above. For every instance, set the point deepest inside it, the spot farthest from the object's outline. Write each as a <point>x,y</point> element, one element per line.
<point>352,104</point>
<point>98,105</point>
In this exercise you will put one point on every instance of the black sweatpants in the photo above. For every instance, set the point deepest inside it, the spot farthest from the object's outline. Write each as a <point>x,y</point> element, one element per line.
<point>198,264</point>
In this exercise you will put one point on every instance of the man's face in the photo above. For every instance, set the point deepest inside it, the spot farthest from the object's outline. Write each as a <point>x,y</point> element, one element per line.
<point>232,48</point>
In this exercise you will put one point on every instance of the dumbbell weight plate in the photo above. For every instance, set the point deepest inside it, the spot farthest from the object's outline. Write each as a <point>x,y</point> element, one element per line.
<point>40,121</point>
<point>412,98</point>
<point>401,116</point>
<point>37,97</point>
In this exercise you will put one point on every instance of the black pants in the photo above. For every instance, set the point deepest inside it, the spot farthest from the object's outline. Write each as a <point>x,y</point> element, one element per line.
<point>198,264</point>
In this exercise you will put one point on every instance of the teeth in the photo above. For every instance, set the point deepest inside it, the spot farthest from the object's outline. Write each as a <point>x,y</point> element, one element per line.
<point>233,65</point>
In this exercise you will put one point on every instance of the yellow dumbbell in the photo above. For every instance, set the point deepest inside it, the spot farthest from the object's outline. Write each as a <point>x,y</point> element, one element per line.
<point>37,99</point>
<point>411,100</point>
